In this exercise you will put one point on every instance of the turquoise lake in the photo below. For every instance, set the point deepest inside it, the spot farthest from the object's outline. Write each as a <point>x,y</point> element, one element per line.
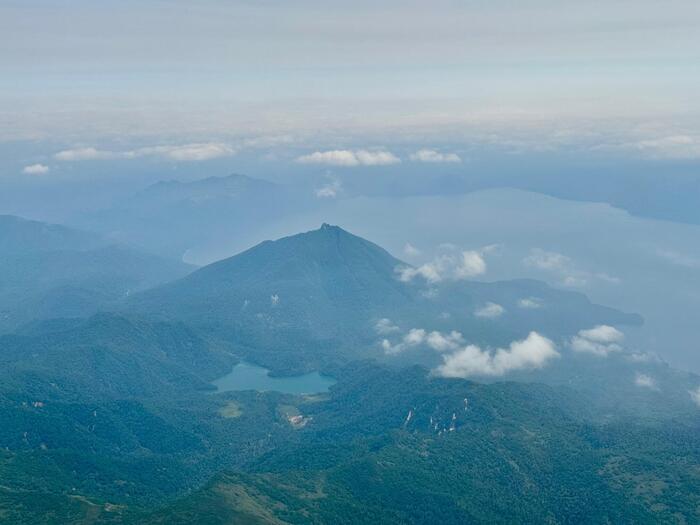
<point>246,376</point>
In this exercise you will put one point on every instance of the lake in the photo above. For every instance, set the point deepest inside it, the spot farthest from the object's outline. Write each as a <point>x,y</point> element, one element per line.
<point>246,376</point>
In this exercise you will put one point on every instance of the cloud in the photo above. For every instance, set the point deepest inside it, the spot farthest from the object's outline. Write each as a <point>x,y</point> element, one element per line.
<point>530,303</point>
<point>645,381</point>
<point>70,155</point>
<point>35,169</point>
<point>600,340</point>
<point>490,311</point>
<point>329,190</point>
<point>545,260</point>
<point>533,352</point>
<point>467,264</point>
<point>670,147</point>
<point>678,258</point>
<point>385,326</point>
<point>695,395</point>
<point>410,250</point>
<point>190,152</point>
<point>348,158</point>
<point>419,337</point>
<point>430,155</point>
<point>180,153</point>
<point>565,268</point>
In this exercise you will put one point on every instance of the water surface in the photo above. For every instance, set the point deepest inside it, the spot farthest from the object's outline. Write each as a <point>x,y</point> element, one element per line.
<point>246,376</point>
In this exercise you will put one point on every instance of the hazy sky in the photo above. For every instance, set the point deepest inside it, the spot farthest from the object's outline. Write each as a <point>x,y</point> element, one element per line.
<point>610,73</point>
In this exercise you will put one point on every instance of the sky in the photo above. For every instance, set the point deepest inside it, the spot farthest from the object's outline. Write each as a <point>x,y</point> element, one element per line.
<point>623,75</point>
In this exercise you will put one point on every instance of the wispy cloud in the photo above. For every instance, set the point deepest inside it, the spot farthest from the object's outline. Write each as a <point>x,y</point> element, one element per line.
<point>430,155</point>
<point>695,395</point>
<point>183,152</point>
<point>490,311</point>
<point>600,340</point>
<point>565,268</point>
<point>349,158</point>
<point>35,169</point>
<point>645,381</point>
<point>533,352</point>
<point>385,327</point>
<point>410,251</point>
<point>530,303</point>
<point>330,189</point>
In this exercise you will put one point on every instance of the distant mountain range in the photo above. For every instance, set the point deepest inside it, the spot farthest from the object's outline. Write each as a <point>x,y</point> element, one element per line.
<point>173,218</point>
<point>52,271</point>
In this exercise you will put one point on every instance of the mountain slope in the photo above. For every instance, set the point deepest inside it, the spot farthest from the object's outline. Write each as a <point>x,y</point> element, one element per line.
<point>53,271</point>
<point>315,298</point>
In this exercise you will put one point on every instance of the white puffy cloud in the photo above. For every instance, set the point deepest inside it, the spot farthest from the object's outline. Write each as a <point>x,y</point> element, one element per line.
<point>490,311</point>
<point>695,395</point>
<point>430,155</point>
<point>35,169</point>
<point>349,158</point>
<point>183,152</point>
<point>535,351</point>
<point>443,342</point>
<point>530,303</point>
<point>645,381</point>
<point>467,264</point>
<point>599,340</point>
<point>385,326</point>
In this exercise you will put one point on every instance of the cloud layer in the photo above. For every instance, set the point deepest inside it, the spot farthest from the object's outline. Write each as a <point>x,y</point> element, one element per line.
<point>348,158</point>
<point>184,152</point>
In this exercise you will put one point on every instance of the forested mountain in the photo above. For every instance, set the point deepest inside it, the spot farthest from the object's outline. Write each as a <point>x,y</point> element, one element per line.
<point>315,298</point>
<point>112,418</point>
